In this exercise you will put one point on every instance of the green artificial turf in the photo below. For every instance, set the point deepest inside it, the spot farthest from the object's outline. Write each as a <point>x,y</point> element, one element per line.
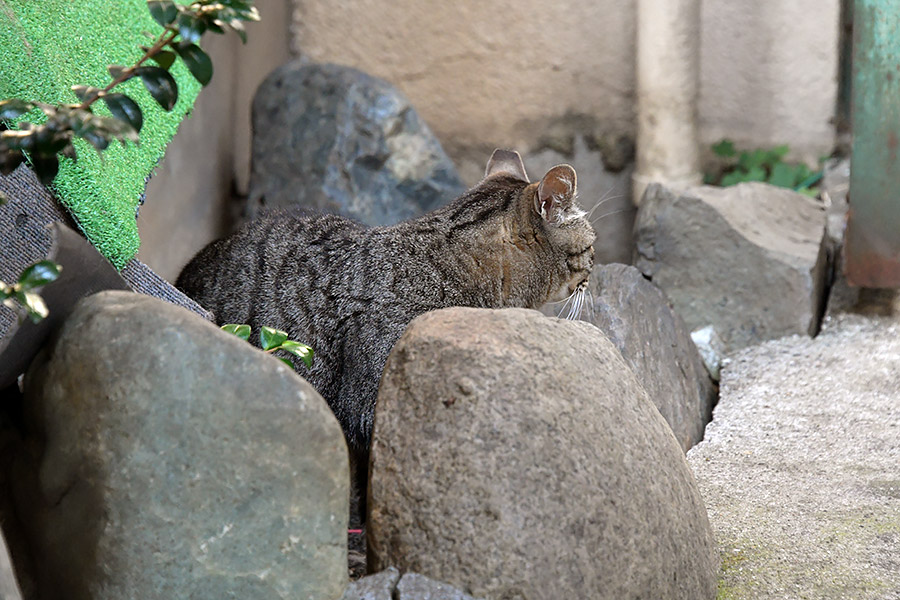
<point>46,47</point>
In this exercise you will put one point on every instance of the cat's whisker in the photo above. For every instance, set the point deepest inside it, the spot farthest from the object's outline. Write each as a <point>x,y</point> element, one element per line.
<point>564,306</point>
<point>590,304</point>
<point>602,202</point>
<point>609,214</point>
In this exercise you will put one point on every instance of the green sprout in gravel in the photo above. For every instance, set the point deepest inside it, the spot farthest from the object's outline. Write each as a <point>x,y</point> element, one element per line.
<point>272,340</point>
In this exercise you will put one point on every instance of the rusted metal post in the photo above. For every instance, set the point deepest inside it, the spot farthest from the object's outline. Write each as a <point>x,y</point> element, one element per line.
<point>872,245</point>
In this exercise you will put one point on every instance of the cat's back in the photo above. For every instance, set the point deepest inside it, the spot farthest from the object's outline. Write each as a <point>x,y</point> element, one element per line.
<point>242,278</point>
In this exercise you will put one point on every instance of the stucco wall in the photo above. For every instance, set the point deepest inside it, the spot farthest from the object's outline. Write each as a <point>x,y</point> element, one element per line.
<point>554,80</point>
<point>769,73</point>
<point>487,74</point>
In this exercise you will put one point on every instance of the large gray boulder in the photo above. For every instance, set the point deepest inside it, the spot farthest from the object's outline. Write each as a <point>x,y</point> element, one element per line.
<point>799,468</point>
<point>516,456</point>
<point>749,260</point>
<point>168,459</point>
<point>638,319</point>
<point>333,139</point>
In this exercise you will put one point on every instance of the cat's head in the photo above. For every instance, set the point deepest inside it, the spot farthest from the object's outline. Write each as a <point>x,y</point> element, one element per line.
<point>560,225</point>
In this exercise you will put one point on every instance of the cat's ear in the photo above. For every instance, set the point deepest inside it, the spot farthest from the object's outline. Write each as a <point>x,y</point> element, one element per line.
<point>507,162</point>
<point>555,195</point>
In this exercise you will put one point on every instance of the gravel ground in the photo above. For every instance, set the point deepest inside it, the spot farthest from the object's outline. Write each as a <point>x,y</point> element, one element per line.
<point>800,467</point>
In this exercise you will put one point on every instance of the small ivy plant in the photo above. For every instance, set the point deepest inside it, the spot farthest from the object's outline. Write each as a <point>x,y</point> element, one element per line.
<point>762,165</point>
<point>272,340</point>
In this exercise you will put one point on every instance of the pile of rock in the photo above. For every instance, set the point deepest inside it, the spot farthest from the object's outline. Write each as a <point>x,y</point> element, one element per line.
<point>162,457</point>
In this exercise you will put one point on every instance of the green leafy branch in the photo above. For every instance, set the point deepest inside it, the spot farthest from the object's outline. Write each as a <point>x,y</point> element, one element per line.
<point>24,291</point>
<point>272,340</point>
<point>763,165</point>
<point>183,25</point>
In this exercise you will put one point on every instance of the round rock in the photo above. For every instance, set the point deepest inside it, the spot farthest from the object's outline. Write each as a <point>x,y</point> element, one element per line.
<point>516,456</point>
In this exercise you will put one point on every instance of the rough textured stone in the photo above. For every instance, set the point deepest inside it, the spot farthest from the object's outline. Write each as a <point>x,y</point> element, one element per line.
<point>379,586</point>
<point>9,588</point>
<point>749,259</point>
<point>799,466</point>
<point>413,586</point>
<point>333,139</point>
<point>175,461</point>
<point>516,456</point>
<point>636,316</point>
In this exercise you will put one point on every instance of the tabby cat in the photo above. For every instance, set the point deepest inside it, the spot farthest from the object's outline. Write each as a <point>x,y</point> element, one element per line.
<point>349,291</point>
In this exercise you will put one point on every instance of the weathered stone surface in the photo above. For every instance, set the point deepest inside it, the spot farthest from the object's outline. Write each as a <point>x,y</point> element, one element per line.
<point>388,585</point>
<point>333,139</point>
<point>379,586</point>
<point>799,468</point>
<point>516,456</point>
<point>748,259</point>
<point>636,316</point>
<point>172,460</point>
<point>413,586</point>
<point>9,588</point>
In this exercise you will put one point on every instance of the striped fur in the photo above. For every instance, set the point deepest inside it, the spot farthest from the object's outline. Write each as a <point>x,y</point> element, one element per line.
<point>350,291</point>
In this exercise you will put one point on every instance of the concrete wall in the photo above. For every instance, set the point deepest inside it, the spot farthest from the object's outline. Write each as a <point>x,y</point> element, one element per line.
<point>554,80</point>
<point>189,197</point>
<point>502,73</point>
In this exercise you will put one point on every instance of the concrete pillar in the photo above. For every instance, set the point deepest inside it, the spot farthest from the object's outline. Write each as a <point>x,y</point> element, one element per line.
<point>668,84</point>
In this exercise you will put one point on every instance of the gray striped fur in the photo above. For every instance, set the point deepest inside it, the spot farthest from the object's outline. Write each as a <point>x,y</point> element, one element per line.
<point>350,291</point>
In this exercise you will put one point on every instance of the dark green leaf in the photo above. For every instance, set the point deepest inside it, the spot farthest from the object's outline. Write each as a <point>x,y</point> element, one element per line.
<point>85,93</point>
<point>776,154</point>
<point>117,71</point>
<point>299,350</point>
<point>732,178</point>
<point>163,11</point>
<point>45,167</point>
<point>99,141</point>
<point>68,151</point>
<point>242,331</point>
<point>14,108</point>
<point>34,305</point>
<point>17,139</point>
<point>164,59</point>
<point>725,149</point>
<point>286,361</point>
<point>124,108</point>
<point>190,28</point>
<point>38,274</point>
<point>784,175</point>
<point>9,160</point>
<point>808,192</point>
<point>270,338</point>
<point>755,174</point>
<point>752,160</point>
<point>160,84</point>
<point>197,61</point>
